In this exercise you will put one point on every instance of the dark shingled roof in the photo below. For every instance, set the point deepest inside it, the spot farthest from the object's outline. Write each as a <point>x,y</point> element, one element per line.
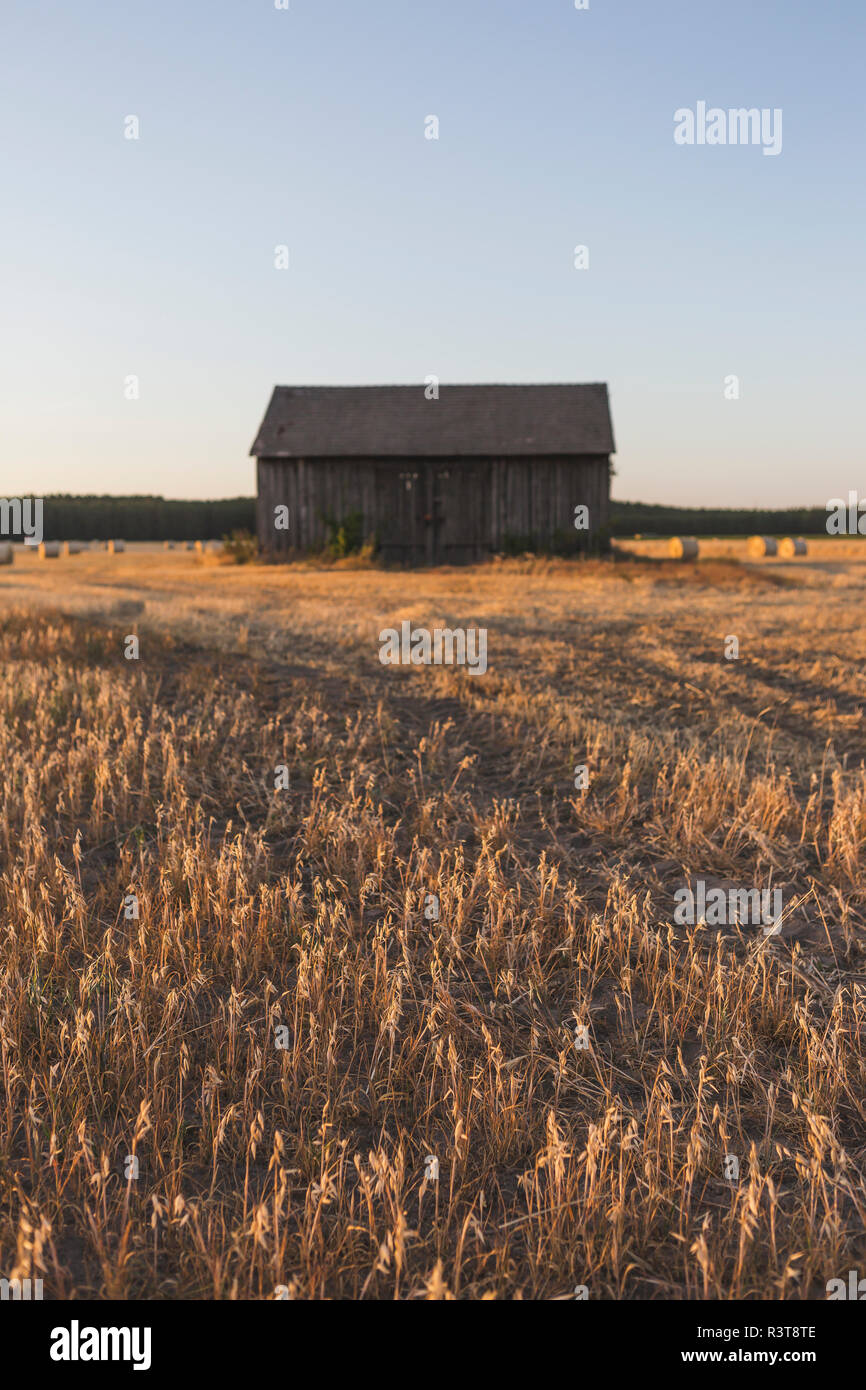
<point>378,421</point>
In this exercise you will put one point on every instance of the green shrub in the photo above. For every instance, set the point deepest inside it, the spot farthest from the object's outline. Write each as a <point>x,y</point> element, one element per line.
<point>345,537</point>
<point>241,546</point>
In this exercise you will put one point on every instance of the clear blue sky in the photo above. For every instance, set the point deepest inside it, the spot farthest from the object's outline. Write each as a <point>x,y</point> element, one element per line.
<point>261,127</point>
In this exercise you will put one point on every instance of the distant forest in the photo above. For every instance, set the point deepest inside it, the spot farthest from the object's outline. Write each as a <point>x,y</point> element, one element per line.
<point>67,518</point>
<point>646,519</point>
<point>158,518</point>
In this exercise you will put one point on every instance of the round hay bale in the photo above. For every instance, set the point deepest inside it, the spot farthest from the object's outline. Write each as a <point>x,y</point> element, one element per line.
<point>168,545</point>
<point>792,545</point>
<point>7,553</point>
<point>49,550</point>
<point>762,545</point>
<point>683,548</point>
<point>115,547</point>
<point>190,545</point>
<point>199,547</point>
<point>71,548</point>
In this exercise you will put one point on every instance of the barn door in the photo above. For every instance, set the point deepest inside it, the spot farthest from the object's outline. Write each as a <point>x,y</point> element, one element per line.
<point>402,506</point>
<point>460,495</point>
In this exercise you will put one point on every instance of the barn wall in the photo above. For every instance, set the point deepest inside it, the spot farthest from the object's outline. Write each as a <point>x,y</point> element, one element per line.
<point>433,510</point>
<point>533,499</point>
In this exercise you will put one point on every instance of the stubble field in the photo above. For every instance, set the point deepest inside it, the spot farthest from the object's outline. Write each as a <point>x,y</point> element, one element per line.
<point>281,1039</point>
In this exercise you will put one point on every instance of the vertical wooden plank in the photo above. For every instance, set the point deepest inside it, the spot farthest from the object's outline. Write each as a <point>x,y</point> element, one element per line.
<point>260,503</point>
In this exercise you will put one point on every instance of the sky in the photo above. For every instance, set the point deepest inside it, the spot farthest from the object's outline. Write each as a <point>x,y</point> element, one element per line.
<point>144,321</point>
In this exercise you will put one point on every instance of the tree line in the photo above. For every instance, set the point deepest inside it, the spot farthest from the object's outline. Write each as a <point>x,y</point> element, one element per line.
<point>67,517</point>
<point>646,519</point>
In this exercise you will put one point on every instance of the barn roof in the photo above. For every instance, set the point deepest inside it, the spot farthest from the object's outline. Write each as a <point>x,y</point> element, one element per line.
<point>377,421</point>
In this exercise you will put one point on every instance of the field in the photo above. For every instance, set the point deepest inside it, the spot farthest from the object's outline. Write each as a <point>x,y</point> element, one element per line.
<point>234,1030</point>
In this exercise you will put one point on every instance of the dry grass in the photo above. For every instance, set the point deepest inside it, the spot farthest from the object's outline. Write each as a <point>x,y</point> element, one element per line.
<point>303,909</point>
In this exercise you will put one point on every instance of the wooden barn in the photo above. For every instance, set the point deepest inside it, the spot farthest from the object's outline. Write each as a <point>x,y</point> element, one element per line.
<point>442,480</point>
